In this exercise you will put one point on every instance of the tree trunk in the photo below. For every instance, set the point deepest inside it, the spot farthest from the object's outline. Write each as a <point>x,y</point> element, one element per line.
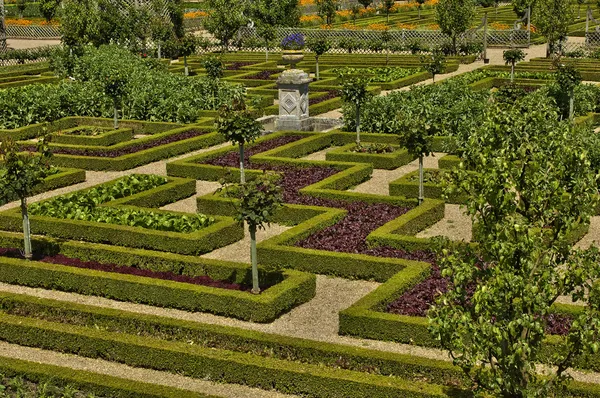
<point>266,51</point>
<point>572,106</point>
<point>255,287</point>
<point>419,11</point>
<point>26,229</point>
<point>357,124</point>
<point>388,17</point>
<point>387,54</point>
<point>242,175</point>
<point>317,62</point>
<point>454,44</point>
<point>421,179</point>
<point>159,51</point>
<point>512,72</point>
<point>116,116</point>
<point>185,65</point>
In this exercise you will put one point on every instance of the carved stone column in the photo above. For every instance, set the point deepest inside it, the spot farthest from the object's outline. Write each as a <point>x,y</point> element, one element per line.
<point>293,100</point>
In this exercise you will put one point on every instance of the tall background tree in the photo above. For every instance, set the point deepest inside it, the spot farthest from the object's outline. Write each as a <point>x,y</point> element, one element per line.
<point>48,8</point>
<point>365,3</point>
<point>271,14</point>
<point>326,9</point>
<point>387,6</point>
<point>454,18</point>
<point>552,19</point>
<point>20,173</point>
<point>225,18</point>
<point>530,186</point>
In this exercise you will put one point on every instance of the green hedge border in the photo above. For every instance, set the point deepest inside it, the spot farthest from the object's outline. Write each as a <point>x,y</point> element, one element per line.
<point>64,178</point>
<point>385,161</point>
<point>106,138</point>
<point>90,382</point>
<point>406,186</point>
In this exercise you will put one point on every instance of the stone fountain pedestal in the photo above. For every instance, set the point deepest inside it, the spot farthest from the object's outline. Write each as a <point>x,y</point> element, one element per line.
<point>293,100</point>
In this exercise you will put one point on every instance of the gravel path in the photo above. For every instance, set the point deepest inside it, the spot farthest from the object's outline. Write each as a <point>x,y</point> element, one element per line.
<point>380,179</point>
<point>593,235</point>
<point>136,374</point>
<point>320,155</point>
<point>456,225</point>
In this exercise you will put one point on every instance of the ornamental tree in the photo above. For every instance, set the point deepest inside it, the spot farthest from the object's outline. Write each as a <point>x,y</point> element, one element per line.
<point>269,14</point>
<point>161,32</point>
<point>511,57</point>
<point>79,23</point>
<point>48,8</point>
<point>567,79</point>
<point>214,67</point>
<point>187,47</point>
<point>355,92</point>
<point>414,129</point>
<point>529,187</point>
<point>20,173</point>
<point>239,127</point>
<point>387,6</point>
<point>420,6</point>
<point>434,63</point>
<point>225,18</point>
<point>454,18</point>
<point>552,20</point>
<point>326,10</point>
<point>21,7</point>
<point>319,47</point>
<point>259,200</point>
<point>365,3</point>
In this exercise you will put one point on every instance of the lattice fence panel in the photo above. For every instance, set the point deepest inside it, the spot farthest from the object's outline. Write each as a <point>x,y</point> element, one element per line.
<point>33,32</point>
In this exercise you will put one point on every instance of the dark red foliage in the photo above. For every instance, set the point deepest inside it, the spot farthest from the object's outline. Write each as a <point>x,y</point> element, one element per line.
<point>263,75</point>
<point>75,262</point>
<point>133,148</point>
<point>416,302</point>
<point>238,65</point>
<point>232,158</point>
<point>317,100</point>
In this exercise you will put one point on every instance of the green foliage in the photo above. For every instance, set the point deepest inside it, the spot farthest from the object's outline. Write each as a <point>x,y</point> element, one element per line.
<point>269,14</point>
<point>354,88</point>
<point>214,67</point>
<point>319,46</point>
<point>21,172</point>
<point>238,126</point>
<point>225,18</point>
<point>187,45</point>
<point>259,200</point>
<point>79,22</point>
<point>530,186</point>
<point>381,74</point>
<point>552,19</point>
<point>513,56</point>
<point>567,79</point>
<point>21,6</point>
<point>434,63</point>
<point>520,6</point>
<point>326,9</point>
<point>48,8</point>
<point>454,17</point>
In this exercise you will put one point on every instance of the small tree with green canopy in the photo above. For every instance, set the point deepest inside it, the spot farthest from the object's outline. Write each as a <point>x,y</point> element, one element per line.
<point>214,67</point>
<point>355,12</point>
<point>355,91</point>
<point>326,9</point>
<point>414,129</point>
<point>79,24</point>
<point>21,7</point>
<point>187,47</point>
<point>387,6</point>
<point>225,18</point>
<point>434,63</point>
<point>552,20</point>
<point>520,6</point>
<point>319,47</point>
<point>259,200</point>
<point>20,173</point>
<point>239,127</point>
<point>113,79</point>
<point>161,32</point>
<point>567,79</point>
<point>454,18</point>
<point>512,57</point>
<point>529,187</point>
<point>48,8</point>
<point>420,6</point>
<point>269,14</point>
<point>365,3</point>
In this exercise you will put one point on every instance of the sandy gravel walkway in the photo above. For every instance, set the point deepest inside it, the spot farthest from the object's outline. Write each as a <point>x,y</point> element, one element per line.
<point>319,155</point>
<point>455,225</point>
<point>380,179</point>
<point>136,374</point>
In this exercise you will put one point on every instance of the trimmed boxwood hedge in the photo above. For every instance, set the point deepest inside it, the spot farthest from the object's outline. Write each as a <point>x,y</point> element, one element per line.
<point>223,232</point>
<point>216,365</point>
<point>64,178</point>
<point>90,382</point>
<point>386,161</point>
<point>368,319</point>
<point>107,138</point>
<point>296,288</point>
<point>408,186</point>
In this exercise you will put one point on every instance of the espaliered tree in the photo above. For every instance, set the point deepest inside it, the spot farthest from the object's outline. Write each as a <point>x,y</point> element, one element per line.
<point>319,47</point>
<point>454,18</point>
<point>20,173</point>
<point>239,126</point>
<point>259,200</point>
<point>414,131</point>
<point>512,57</point>
<point>355,92</point>
<point>529,188</point>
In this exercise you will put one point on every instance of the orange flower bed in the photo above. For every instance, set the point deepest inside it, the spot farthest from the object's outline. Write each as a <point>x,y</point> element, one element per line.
<point>309,18</point>
<point>54,22</point>
<point>325,27</point>
<point>407,26</point>
<point>344,13</point>
<point>349,26</point>
<point>433,26</point>
<point>307,2</point>
<point>18,22</point>
<point>378,26</point>
<point>195,14</point>
<point>499,26</point>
